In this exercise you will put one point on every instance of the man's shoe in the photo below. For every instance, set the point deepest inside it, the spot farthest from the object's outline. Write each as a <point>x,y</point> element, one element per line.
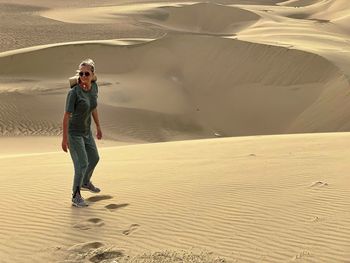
<point>90,187</point>
<point>78,201</point>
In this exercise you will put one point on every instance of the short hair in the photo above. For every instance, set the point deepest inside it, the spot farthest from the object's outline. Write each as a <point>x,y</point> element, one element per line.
<point>88,62</point>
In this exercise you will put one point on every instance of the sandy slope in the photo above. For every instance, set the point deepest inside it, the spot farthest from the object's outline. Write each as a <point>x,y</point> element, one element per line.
<point>205,18</point>
<point>248,199</point>
<point>312,26</point>
<point>175,77</point>
<point>21,20</point>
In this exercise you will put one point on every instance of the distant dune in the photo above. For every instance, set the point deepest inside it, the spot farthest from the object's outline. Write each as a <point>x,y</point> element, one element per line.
<point>173,88</point>
<point>248,89</point>
<point>302,3</point>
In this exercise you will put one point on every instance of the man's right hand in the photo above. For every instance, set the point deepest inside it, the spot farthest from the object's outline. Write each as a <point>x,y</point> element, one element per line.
<point>65,145</point>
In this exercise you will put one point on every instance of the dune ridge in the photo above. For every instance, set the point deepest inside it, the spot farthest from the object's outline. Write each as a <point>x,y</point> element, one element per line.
<point>324,11</point>
<point>241,73</point>
<point>307,28</point>
<point>202,18</point>
<point>302,3</point>
<point>337,13</point>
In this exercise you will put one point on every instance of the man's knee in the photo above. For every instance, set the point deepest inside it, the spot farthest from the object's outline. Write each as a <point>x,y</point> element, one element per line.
<point>94,161</point>
<point>83,165</point>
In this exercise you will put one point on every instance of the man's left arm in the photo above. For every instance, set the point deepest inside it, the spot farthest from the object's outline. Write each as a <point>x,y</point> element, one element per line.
<point>97,122</point>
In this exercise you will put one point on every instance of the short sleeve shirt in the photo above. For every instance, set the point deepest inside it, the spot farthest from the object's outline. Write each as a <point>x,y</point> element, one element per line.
<point>80,104</point>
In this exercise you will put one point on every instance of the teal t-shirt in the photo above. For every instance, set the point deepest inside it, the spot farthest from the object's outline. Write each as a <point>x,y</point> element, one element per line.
<point>80,104</point>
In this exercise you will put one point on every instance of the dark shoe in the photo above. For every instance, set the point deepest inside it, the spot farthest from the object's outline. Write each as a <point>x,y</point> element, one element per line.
<point>90,187</point>
<point>78,201</point>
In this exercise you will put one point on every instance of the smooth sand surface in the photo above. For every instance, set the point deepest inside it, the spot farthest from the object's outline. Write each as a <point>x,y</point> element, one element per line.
<point>247,199</point>
<point>181,86</point>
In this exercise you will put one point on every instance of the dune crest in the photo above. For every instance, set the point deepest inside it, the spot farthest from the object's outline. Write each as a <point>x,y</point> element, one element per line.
<point>338,12</point>
<point>102,14</point>
<point>203,18</point>
<point>302,3</point>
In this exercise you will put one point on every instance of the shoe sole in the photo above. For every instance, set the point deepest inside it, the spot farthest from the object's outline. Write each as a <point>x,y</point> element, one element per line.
<point>85,189</point>
<point>80,206</point>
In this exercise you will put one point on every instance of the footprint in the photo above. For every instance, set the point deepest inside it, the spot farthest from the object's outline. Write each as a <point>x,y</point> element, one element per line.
<point>100,256</point>
<point>84,247</point>
<point>131,229</point>
<point>97,198</point>
<point>318,184</point>
<point>93,251</point>
<point>316,219</point>
<point>112,207</point>
<point>301,255</point>
<point>90,223</point>
<point>95,220</point>
<point>105,83</point>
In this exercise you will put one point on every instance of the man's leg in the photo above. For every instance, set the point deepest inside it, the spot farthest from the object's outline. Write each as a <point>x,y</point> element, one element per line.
<point>93,158</point>
<point>80,160</point>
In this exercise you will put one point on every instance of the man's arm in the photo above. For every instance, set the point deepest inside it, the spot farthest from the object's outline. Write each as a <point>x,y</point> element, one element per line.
<point>97,122</point>
<point>65,131</point>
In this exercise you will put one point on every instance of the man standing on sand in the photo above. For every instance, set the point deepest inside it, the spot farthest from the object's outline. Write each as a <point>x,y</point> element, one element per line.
<point>81,103</point>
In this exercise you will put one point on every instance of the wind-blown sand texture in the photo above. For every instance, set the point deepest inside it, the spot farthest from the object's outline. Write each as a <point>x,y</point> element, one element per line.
<point>174,79</point>
<point>247,199</point>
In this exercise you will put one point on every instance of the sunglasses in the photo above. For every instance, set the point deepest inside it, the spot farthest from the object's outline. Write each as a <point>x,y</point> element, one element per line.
<point>86,74</point>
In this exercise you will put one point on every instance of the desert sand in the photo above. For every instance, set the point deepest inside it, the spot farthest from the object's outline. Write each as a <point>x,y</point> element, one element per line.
<point>225,128</point>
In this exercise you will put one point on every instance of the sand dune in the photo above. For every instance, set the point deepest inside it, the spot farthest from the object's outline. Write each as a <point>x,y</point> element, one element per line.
<point>278,89</point>
<point>199,97</point>
<point>205,18</point>
<point>21,21</point>
<point>335,12</point>
<point>248,199</point>
<point>306,28</point>
<point>302,3</point>
<point>108,14</point>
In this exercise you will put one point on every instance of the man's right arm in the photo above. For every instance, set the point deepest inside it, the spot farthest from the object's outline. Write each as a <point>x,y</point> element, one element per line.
<point>65,145</point>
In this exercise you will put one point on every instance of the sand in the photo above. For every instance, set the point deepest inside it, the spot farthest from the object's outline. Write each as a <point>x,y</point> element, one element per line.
<point>245,199</point>
<point>225,126</point>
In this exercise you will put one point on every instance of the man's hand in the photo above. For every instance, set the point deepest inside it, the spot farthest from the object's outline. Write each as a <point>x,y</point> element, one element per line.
<point>99,134</point>
<point>65,145</point>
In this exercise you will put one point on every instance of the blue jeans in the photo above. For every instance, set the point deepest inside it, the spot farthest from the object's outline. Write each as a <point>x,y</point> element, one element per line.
<point>83,150</point>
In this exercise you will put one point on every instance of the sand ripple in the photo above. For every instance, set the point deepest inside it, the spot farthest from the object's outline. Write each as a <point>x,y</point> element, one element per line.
<point>188,199</point>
